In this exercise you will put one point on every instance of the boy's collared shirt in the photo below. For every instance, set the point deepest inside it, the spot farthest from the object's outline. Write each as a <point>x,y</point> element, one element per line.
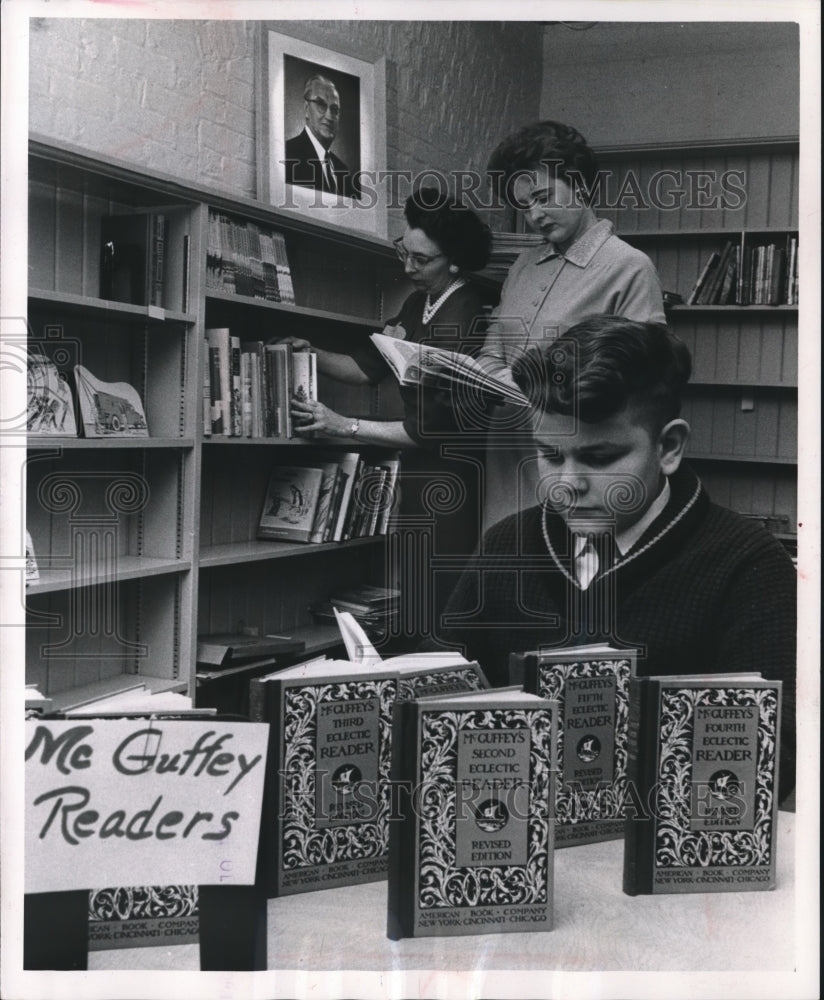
<point>585,555</point>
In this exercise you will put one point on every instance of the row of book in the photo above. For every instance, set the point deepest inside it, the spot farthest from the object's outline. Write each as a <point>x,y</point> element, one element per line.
<point>414,769</point>
<point>766,274</point>
<point>247,259</point>
<point>248,386</point>
<point>341,498</point>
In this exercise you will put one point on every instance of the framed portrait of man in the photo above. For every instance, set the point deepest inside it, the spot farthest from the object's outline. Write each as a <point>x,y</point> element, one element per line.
<point>322,133</point>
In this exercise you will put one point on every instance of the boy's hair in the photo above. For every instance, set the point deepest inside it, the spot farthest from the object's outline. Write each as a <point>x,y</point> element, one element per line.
<point>604,364</point>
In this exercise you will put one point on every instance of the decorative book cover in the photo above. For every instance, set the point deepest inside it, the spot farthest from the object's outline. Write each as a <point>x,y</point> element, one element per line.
<point>143,916</point>
<point>290,504</point>
<point>49,406</point>
<point>326,804</point>
<point>591,686</point>
<point>108,409</point>
<point>703,770</point>
<point>472,849</point>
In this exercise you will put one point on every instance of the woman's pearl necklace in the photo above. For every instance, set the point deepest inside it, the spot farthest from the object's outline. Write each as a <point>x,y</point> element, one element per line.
<point>430,310</point>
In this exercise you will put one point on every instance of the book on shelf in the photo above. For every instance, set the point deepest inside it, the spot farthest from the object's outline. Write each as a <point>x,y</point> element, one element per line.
<point>330,472</point>
<point>471,851</point>
<point>133,257</point>
<point>220,378</point>
<point>32,574</point>
<point>49,401</point>
<point>591,686</point>
<point>304,375</point>
<point>703,775</point>
<point>108,409</point>
<point>291,501</point>
<point>423,364</point>
<point>248,259</point>
<point>712,286</point>
<point>228,649</point>
<point>248,385</point>
<point>703,278</point>
<point>327,796</point>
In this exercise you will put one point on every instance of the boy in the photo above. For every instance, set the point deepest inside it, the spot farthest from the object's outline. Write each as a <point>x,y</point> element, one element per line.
<point>625,546</point>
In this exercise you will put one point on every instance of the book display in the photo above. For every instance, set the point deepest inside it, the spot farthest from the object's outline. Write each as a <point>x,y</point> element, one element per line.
<point>591,687</point>
<point>704,767</point>
<point>472,850</point>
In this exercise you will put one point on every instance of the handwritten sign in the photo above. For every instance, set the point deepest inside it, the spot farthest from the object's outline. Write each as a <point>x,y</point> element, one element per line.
<point>142,802</point>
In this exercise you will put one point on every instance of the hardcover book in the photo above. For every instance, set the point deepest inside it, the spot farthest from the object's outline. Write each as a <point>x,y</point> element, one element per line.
<point>703,773</point>
<point>472,849</point>
<point>108,409</point>
<point>143,916</point>
<point>291,501</point>
<point>326,802</point>
<point>591,686</point>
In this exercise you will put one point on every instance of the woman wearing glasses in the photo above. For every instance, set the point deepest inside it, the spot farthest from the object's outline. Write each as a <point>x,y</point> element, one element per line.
<point>443,242</point>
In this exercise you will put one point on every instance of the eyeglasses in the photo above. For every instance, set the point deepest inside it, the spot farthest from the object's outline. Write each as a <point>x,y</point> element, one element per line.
<point>418,259</point>
<point>323,107</point>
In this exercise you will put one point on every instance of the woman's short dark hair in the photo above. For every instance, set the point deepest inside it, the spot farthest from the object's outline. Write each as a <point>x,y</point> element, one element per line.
<point>457,230</point>
<point>604,364</point>
<point>551,143</point>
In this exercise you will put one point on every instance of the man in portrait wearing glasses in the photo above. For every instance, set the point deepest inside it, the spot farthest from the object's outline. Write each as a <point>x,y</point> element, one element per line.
<point>309,160</point>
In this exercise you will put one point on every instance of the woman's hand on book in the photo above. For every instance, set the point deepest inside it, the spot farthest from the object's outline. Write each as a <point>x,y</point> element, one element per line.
<point>310,416</point>
<point>298,343</point>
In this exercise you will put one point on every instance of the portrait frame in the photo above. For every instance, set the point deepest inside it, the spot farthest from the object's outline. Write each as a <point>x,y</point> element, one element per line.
<point>283,64</point>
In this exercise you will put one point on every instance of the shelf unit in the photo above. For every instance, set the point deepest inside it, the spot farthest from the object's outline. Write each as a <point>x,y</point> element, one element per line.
<point>142,543</point>
<point>742,401</point>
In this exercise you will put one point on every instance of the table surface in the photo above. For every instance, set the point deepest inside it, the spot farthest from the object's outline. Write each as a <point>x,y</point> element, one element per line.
<point>597,927</point>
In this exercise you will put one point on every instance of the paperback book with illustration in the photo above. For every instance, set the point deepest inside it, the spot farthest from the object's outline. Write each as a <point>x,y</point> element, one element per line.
<point>591,686</point>
<point>703,772</point>
<point>471,851</point>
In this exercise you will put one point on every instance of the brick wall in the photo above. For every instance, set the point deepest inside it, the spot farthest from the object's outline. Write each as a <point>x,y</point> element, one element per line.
<point>178,96</point>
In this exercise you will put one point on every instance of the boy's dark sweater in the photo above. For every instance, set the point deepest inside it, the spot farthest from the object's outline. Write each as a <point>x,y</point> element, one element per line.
<point>704,590</point>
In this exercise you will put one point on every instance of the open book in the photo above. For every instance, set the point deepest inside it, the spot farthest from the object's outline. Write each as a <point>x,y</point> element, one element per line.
<point>417,364</point>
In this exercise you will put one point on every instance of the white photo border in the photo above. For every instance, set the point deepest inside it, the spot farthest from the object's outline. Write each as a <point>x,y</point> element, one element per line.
<point>369,214</point>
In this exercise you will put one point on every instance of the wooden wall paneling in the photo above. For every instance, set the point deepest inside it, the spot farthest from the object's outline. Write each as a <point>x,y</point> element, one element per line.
<point>788,428</point>
<point>759,191</point>
<point>767,422</point>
